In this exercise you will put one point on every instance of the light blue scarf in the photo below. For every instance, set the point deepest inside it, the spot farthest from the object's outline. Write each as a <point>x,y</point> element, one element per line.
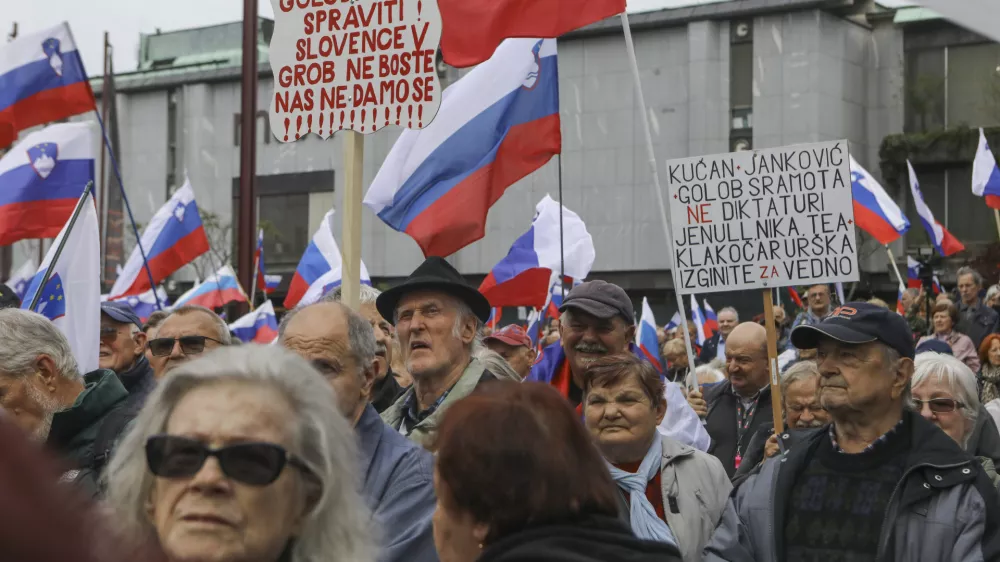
<point>646,524</point>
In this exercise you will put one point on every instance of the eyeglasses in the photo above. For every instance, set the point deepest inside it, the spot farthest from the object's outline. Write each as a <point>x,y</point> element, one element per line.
<point>254,464</point>
<point>190,345</point>
<point>939,405</point>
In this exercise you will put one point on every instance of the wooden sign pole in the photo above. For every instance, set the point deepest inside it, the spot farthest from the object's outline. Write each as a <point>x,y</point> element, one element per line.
<point>772,362</point>
<point>354,155</point>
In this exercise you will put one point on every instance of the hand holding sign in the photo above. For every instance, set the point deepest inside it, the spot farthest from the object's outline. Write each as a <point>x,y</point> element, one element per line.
<point>353,65</point>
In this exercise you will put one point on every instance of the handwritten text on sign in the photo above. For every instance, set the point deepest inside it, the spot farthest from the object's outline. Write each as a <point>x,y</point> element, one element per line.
<point>764,218</point>
<point>353,64</point>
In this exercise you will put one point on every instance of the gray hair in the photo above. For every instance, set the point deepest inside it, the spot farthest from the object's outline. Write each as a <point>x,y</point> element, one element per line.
<point>958,377</point>
<point>711,371</point>
<point>801,371</point>
<point>369,294</point>
<point>992,292</point>
<point>24,336</point>
<point>337,527</point>
<point>496,364</point>
<point>225,336</point>
<point>360,335</point>
<point>966,270</point>
<point>733,310</point>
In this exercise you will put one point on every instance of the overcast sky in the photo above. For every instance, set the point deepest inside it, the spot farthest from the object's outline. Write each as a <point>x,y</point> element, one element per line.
<point>126,19</point>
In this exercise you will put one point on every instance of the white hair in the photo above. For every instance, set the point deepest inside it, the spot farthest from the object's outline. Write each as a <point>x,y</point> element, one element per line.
<point>225,337</point>
<point>24,336</point>
<point>710,372</point>
<point>733,310</point>
<point>369,295</point>
<point>957,376</point>
<point>801,371</point>
<point>337,527</point>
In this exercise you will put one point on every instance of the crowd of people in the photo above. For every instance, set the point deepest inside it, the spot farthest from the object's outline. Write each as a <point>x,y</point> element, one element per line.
<point>406,431</point>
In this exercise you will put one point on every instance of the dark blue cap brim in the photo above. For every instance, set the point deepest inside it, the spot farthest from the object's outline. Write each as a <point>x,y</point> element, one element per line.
<point>808,337</point>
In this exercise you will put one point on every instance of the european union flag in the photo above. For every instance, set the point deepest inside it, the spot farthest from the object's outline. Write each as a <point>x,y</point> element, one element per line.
<point>52,303</point>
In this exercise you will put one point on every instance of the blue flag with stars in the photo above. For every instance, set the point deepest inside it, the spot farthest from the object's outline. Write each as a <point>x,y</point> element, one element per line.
<point>52,302</point>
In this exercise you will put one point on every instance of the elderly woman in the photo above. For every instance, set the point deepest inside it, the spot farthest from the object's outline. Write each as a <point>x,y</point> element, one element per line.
<point>945,316</point>
<point>669,492</point>
<point>242,455</point>
<point>517,478</point>
<point>944,393</point>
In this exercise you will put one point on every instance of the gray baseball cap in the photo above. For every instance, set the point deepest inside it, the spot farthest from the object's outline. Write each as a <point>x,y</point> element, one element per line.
<point>601,299</point>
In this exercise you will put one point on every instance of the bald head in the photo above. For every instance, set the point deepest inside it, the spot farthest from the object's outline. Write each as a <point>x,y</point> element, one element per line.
<point>746,358</point>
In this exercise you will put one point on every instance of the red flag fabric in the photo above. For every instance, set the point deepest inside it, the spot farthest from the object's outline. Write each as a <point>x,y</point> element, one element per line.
<point>473,29</point>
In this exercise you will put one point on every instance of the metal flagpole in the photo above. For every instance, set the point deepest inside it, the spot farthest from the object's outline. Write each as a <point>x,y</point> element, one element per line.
<point>62,243</point>
<point>692,380</point>
<point>253,284</point>
<point>892,261</point>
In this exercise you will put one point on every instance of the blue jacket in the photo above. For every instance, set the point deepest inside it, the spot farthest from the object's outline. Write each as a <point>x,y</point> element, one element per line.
<point>399,489</point>
<point>551,359</point>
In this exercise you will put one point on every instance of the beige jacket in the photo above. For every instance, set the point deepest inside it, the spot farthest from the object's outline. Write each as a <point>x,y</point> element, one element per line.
<point>423,433</point>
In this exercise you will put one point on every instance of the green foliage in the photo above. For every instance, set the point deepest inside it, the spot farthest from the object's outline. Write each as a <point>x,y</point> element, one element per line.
<point>942,147</point>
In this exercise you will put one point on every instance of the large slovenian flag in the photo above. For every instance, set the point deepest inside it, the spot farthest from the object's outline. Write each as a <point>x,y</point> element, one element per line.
<point>219,289</point>
<point>474,28</point>
<point>174,237</point>
<point>146,304</point>
<point>72,296</point>
<point>711,320</point>
<point>985,174</point>
<point>18,282</point>
<point>42,178</point>
<point>495,126</point>
<point>320,269</point>
<point>943,241</point>
<point>522,278</point>
<point>698,317</point>
<point>259,326</point>
<point>41,80</point>
<point>646,336</point>
<point>875,212</point>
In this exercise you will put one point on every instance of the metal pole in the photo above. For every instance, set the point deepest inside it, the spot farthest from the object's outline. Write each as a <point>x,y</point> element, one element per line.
<point>253,285</point>
<point>562,242</point>
<point>248,146</point>
<point>62,242</point>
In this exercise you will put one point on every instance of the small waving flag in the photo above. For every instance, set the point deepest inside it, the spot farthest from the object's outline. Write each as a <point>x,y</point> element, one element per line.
<point>711,321</point>
<point>675,321</point>
<point>985,174</point>
<point>220,289</point>
<point>146,304</point>
<point>899,302</point>
<point>18,282</point>
<point>646,336</point>
<point>943,241</point>
<point>259,326</point>
<point>875,212</point>
<point>698,317</point>
<point>320,269</point>
<point>494,322</point>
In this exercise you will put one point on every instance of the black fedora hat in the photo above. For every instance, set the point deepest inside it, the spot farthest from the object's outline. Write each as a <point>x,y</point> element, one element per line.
<point>435,274</point>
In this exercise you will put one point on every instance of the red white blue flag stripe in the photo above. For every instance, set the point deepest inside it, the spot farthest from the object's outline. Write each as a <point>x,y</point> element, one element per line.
<point>219,289</point>
<point>943,241</point>
<point>321,268</point>
<point>259,326</point>
<point>875,212</point>
<point>646,338</point>
<point>985,174</point>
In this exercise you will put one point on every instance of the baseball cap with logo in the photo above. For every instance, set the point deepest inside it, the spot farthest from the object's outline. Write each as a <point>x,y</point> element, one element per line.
<point>857,323</point>
<point>511,335</point>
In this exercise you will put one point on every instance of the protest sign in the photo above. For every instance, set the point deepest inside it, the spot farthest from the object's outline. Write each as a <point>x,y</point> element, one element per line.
<point>763,219</point>
<point>353,65</point>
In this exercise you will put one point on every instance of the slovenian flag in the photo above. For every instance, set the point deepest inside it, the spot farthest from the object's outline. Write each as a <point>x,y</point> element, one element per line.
<point>711,321</point>
<point>985,174</point>
<point>41,80</point>
<point>321,268</point>
<point>496,125</point>
<point>698,317</point>
<point>522,278</point>
<point>220,289</point>
<point>675,321</point>
<point>646,336</point>
<point>943,241</point>
<point>875,212</point>
<point>18,282</point>
<point>146,304</point>
<point>42,178</point>
<point>174,237</point>
<point>259,326</point>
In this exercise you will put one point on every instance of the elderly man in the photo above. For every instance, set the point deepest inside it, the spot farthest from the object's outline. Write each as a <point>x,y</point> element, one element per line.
<point>597,320</point>
<point>188,332</point>
<point>513,344</point>
<point>715,346</point>
<point>398,481</point>
<point>818,301</point>
<point>78,417</point>
<point>123,347</point>
<point>437,317</point>
<point>386,388</point>
<point>734,412</point>
<point>975,319</point>
<point>880,483</point>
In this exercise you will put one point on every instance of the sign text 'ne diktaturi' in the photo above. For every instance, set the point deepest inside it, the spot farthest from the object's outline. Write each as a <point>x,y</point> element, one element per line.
<point>762,219</point>
<point>353,64</point>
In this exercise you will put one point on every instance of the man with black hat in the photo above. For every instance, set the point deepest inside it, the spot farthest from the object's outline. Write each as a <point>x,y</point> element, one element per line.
<point>597,320</point>
<point>880,482</point>
<point>123,347</point>
<point>437,317</point>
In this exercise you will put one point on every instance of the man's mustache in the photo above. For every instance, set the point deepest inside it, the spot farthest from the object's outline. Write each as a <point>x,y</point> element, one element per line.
<point>799,424</point>
<point>590,348</point>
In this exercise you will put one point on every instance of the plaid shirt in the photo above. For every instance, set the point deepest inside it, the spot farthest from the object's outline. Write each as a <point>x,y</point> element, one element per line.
<point>871,446</point>
<point>412,416</point>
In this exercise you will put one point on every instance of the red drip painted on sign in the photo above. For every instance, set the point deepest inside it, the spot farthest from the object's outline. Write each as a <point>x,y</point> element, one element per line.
<point>298,127</point>
<point>288,123</point>
<point>362,119</point>
<point>320,124</point>
<point>420,116</point>
<point>409,109</point>
<point>399,110</point>
<point>387,117</point>
<point>341,124</point>
<point>352,120</point>
<point>309,123</point>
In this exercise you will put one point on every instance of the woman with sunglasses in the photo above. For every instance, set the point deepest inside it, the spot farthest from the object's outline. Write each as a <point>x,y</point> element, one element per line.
<point>944,393</point>
<point>242,455</point>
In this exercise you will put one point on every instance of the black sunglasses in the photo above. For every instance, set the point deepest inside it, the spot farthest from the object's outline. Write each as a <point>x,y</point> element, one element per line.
<point>255,464</point>
<point>939,405</point>
<point>190,345</point>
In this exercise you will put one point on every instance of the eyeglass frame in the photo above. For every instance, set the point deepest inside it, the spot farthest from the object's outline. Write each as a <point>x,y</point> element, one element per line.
<point>149,344</point>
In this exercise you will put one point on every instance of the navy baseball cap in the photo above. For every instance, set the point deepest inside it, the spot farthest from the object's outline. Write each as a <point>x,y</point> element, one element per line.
<point>935,346</point>
<point>857,323</point>
<point>120,312</point>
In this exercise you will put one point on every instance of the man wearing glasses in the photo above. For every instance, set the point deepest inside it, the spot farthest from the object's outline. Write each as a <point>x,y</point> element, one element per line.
<point>818,306</point>
<point>187,333</point>
<point>123,346</point>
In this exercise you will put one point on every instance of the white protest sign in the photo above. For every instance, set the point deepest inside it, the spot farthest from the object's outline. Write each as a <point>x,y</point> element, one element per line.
<point>353,65</point>
<point>762,219</point>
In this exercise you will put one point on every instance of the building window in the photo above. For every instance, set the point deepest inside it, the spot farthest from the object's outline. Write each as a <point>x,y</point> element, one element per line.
<point>925,90</point>
<point>973,85</point>
<point>172,96</point>
<point>741,86</point>
<point>286,233</point>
